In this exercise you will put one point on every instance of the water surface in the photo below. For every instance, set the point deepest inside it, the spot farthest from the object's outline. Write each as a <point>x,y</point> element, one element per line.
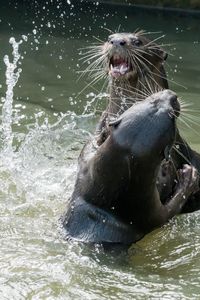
<point>50,126</point>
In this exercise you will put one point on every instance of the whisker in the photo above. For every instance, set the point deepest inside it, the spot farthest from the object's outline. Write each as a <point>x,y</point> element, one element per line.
<point>118,29</point>
<point>185,123</point>
<point>86,71</point>
<point>98,39</point>
<point>161,45</point>
<point>93,66</point>
<point>186,110</point>
<point>150,32</point>
<point>90,56</point>
<point>190,119</point>
<point>109,30</point>
<point>181,154</point>
<point>134,91</point>
<point>141,57</point>
<point>95,80</point>
<point>91,46</point>
<point>172,81</point>
<point>156,39</point>
<point>139,32</point>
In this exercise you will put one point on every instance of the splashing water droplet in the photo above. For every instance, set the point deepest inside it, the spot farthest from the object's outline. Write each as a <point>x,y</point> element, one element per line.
<point>12,76</point>
<point>25,38</point>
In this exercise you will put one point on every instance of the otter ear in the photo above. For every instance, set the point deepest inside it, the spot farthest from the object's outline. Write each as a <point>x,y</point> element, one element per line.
<point>165,55</point>
<point>115,123</point>
<point>160,53</point>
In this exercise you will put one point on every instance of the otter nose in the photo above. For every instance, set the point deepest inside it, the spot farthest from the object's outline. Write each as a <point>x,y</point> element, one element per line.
<point>118,41</point>
<point>175,104</point>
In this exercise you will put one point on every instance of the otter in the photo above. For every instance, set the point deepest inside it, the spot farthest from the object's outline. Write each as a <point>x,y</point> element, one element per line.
<point>116,199</point>
<point>134,67</point>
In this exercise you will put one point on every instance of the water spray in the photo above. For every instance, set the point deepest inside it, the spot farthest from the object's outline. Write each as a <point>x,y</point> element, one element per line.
<point>12,76</point>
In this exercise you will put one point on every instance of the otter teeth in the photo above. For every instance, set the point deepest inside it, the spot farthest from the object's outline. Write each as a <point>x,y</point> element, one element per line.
<point>123,69</point>
<point>118,70</point>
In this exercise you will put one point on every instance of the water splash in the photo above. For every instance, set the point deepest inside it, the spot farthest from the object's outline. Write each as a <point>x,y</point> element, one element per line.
<point>92,105</point>
<point>33,164</point>
<point>12,76</point>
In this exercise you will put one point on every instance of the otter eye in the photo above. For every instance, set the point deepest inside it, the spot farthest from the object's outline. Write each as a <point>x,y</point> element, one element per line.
<point>137,43</point>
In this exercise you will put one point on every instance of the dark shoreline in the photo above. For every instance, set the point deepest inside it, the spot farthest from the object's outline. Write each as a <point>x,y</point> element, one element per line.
<point>181,11</point>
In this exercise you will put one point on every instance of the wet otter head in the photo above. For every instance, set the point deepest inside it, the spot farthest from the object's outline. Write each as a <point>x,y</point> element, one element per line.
<point>127,56</point>
<point>148,128</point>
<point>132,55</point>
<point>133,66</point>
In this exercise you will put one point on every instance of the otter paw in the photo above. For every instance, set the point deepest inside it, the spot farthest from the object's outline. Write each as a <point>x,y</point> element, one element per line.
<point>188,179</point>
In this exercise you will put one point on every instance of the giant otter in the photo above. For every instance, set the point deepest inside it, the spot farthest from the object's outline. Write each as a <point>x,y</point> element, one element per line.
<point>134,67</point>
<point>116,199</point>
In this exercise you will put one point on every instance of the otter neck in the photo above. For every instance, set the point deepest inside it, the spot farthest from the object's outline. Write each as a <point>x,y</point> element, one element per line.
<point>147,178</point>
<point>125,92</point>
<point>121,92</point>
<point>145,182</point>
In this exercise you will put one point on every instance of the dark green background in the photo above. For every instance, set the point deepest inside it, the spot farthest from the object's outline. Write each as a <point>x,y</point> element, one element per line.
<point>186,4</point>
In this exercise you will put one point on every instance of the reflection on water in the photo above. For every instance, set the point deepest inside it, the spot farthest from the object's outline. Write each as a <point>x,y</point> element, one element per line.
<point>51,120</point>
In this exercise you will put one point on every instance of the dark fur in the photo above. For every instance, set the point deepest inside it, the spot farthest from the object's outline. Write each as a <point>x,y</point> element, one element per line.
<point>116,199</point>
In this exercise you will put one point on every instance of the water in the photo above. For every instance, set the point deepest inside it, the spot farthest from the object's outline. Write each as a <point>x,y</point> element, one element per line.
<point>44,126</point>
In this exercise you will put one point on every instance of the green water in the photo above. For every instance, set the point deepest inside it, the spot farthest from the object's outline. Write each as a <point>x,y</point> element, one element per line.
<point>37,175</point>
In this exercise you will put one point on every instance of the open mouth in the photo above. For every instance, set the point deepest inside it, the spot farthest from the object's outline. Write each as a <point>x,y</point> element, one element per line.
<point>118,66</point>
